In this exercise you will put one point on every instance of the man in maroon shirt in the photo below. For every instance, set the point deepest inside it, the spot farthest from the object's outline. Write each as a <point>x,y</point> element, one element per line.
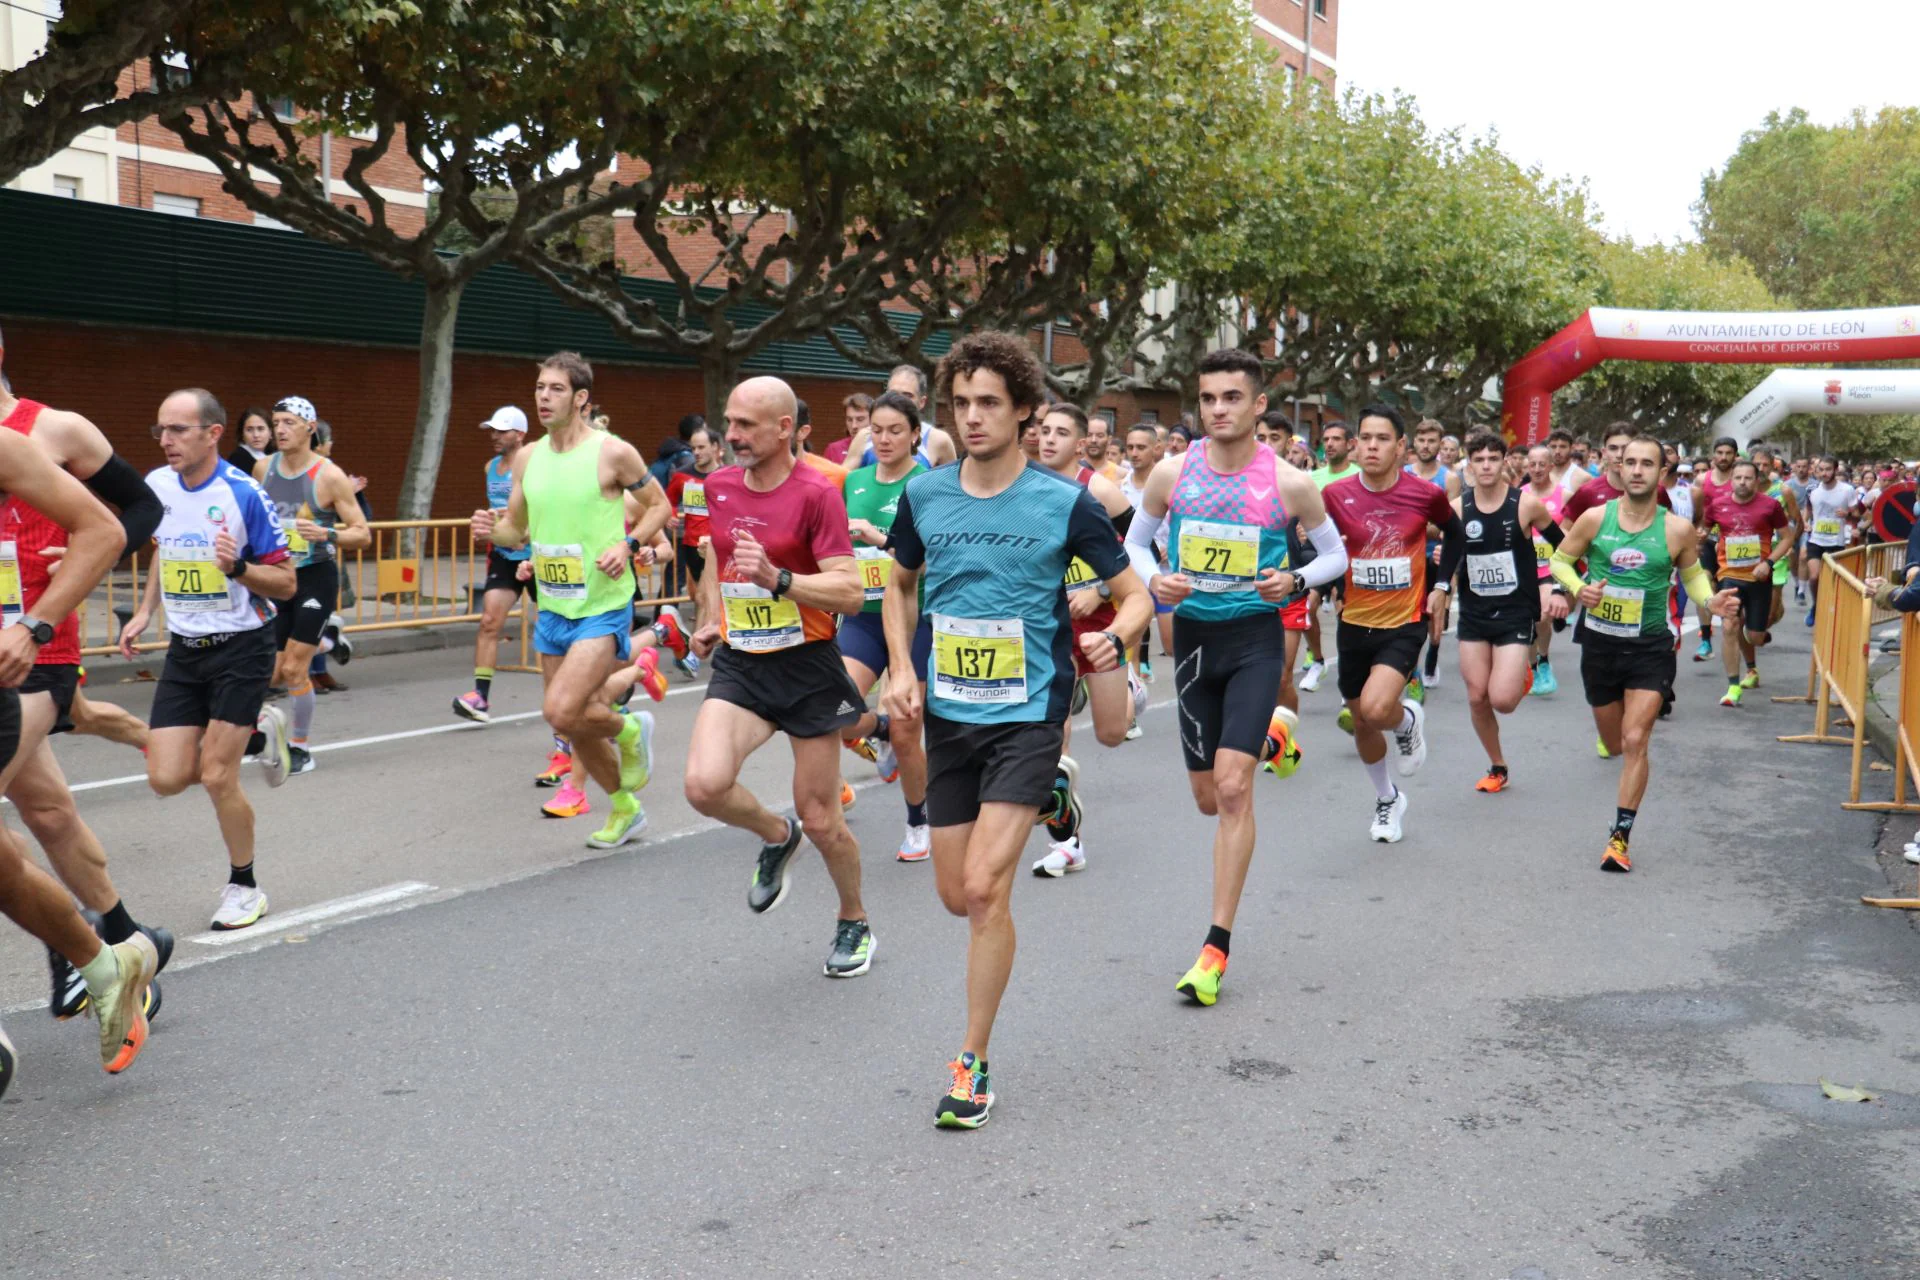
<point>1605,487</point>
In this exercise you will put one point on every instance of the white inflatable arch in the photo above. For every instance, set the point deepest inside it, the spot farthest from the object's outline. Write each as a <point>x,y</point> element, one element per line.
<point>1846,391</point>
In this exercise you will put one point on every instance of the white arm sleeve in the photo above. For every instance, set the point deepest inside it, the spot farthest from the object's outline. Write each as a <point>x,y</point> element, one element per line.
<point>1140,535</point>
<point>1330,555</point>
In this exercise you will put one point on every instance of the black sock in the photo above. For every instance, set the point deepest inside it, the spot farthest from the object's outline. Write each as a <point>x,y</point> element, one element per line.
<point>257,743</point>
<point>242,876</point>
<point>917,814</point>
<point>882,728</point>
<point>116,925</point>
<point>1218,937</point>
<point>1623,821</point>
<point>1498,770</point>
<point>1433,659</point>
<point>483,685</point>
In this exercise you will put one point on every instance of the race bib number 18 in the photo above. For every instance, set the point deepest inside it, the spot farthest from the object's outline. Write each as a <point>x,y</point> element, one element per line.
<point>874,564</point>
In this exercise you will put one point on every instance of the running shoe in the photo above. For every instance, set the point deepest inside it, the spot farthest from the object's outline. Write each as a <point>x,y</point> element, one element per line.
<point>1731,698</point>
<point>672,632</point>
<point>967,1102</point>
<point>1345,720</point>
<point>568,802</point>
<point>1416,691</point>
<point>69,995</point>
<point>1310,679</point>
<point>1146,669</point>
<point>852,953</point>
<point>1600,749</point>
<point>471,706</point>
<point>1138,688</point>
<point>342,651</point>
<point>299,761</point>
<point>240,906</point>
<point>1704,650</point>
<point>866,748</point>
<point>275,760</point>
<point>1202,982</point>
<point>1810,617</point>
<point>648,675</point>
<point>1412,741</point>
<point>9,1062</point>
<point>917,844</point>
<point>1387,814</point>
<point>769,885</point>
<point>559,765</point>
<point>886,761</point>
<point>1496,780</point>
<point>1431,679</point>
<point>1544,684</point>
<point>1752,679</point>
<point>1799,595</point>
<point>689,666</point>
<point>625,821</point>
<point>1079,696</point>
<point>1281,753</point>
<point>1064,824</point>
<point>1615,858</point>
<point>162,940</point>
<point>1061,857</point>
<point>1134,732</point>
<point>635,743</point>
<point>121,1007</point>
<point>847,796</point>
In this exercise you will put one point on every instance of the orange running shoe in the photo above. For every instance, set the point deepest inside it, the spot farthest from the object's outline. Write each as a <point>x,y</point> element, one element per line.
<point>568,802</point>
<point>846,796</point>
<point>1496,780</point>
<point>559,765</point>
<point>651,678</point>
<point>1615,858</point>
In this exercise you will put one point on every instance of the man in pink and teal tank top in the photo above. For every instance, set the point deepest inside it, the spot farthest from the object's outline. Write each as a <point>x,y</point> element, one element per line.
<point>1225,504</point>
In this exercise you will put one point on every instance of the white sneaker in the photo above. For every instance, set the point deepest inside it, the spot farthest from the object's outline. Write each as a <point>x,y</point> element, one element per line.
<point>1412,741</point>
<point>1314,675</point>
<point>1134,731</point>
<point>239,907</point>
<point>275,760</point>
<point>917,844</point>
<point>1432,681</point>
<point>1386,818</point>
<point>1138,688</point>
<point>1062,856</point>
<point>885,762</point>
<point>1912,852</point>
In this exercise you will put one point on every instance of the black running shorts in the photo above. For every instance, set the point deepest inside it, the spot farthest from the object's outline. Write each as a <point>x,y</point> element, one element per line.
<point>804,692</point>
<point>969,765</point>
<point>316,594</point>
<point>226,682</point>
<point>503,574</point>
<point>1610,667</point>
<point>1361,649</point>
<point>60,679</point>
<point>10,727</point>
<point>1227,676</point>
<point>1501,626</point>
<point>1756,601</point>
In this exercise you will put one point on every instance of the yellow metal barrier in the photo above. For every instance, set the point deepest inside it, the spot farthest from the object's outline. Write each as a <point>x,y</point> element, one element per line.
<point>1842,648</point>
<point>416,574</point>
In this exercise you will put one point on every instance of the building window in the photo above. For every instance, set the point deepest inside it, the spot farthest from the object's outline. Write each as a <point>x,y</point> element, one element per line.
<point>65,186</point>
<point>1149,417</point>
<point>54,10</point>
<point>1319,8</point>
<point>267,220</point>
<point>184,206</point>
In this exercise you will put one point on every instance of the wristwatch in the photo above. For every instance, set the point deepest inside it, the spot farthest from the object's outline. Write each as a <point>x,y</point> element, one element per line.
<point>633,546</point>
<point>781,583</point>
<point>42,632</point>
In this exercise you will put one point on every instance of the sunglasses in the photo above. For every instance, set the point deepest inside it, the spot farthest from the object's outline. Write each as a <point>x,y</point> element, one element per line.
<point>175,429</point>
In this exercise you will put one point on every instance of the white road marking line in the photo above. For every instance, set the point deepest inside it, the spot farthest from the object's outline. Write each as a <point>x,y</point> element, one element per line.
<point>338,908</point>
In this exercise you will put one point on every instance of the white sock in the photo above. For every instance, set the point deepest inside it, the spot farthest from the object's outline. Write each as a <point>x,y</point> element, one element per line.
<point>1406,723</point>
<point>1383,788</point>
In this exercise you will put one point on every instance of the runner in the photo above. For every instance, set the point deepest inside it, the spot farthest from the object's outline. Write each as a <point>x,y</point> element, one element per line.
<point>50,700</point>
<point>873,497</point>
<point>1748,524</point>
<point>993,537</point>
<point>568,504</point>
<point>1383,514</point>
<point>319,512</point>
<point>505,580</point>
<point>783,566</point>
<point>1707,486</point>
<point>687,493</point>
<point>1500,592</point>
<point>1427,466</point>
<point>1799,483</point>
<point>1567,473</point>
<point>1773,482</point>
<point>936,446</point>
<point>1337,441</point>
<point>117,976</point>
<point>1831,504</point>
<point>220,558</point>
<point>1096,449</point>
<point>1115,695</point>
<point>1227,503</point>
<point>1554,600</point>
<point>1145,448</point>
<point>1627,658</point>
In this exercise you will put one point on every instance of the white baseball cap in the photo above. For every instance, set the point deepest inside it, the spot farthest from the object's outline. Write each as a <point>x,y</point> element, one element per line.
<point>505,418</point>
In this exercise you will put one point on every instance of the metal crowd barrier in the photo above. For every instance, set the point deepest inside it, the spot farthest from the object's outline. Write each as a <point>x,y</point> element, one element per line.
<point>416,574</point>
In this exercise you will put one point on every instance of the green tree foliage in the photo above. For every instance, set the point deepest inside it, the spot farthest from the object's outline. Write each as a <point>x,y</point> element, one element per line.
<point>1825,214</point>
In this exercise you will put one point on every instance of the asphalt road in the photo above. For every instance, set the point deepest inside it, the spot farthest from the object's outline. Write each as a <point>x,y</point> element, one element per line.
<point>1471,1054</point>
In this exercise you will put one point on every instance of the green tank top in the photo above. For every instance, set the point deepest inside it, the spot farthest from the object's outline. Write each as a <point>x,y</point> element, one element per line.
<point>1638,570</point>
<point>872,499</point>
<point>569,523</point>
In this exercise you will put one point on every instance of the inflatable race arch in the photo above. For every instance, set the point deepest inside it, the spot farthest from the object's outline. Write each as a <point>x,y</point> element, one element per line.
<point>1846,391</point>
<point>1700,337</point>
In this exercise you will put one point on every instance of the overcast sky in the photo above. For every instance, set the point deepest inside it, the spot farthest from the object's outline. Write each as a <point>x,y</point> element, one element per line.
<point>1640,99</point>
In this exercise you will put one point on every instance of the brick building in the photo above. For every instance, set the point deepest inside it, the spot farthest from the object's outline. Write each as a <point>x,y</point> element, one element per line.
<point>1292,28</point>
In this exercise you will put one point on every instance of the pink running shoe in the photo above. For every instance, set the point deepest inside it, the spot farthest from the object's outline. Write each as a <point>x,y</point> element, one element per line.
<point>471,706</point>
<point>646,664</point>
<point>568,802</point>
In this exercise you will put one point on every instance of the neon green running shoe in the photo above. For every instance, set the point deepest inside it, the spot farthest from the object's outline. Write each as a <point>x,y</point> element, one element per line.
<point>635,741</point>
<point>1731,698</point>
<point>625,822</point>
<point>1345,720</point>
<point>1280,755</point>
<point>1751,680</point>
<point>1600,749</point>
<point>1416,691</point>
<point>1202,982</point>
<point>968,1101</point>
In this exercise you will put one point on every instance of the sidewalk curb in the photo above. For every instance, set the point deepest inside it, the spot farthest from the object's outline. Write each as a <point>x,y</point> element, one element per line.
<point>370,644</point>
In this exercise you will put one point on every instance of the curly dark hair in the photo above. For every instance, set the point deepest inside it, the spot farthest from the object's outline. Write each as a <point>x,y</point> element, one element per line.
<point>1006,354</point>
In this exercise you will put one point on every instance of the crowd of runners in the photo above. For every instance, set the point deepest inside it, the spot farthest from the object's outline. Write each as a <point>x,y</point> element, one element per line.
<point>935,603</point>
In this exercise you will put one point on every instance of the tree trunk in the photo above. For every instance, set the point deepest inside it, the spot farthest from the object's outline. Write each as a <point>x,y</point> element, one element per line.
<point>436,397</point>
<point>719,373</point>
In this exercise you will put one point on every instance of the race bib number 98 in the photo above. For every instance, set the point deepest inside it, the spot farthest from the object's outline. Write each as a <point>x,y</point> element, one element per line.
<point>1620,611</point>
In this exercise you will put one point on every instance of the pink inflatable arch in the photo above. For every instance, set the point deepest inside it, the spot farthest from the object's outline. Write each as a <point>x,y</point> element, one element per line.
<point>1702,337</point>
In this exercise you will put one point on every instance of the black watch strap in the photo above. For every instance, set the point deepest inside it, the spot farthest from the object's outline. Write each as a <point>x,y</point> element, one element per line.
<point>782,583</point>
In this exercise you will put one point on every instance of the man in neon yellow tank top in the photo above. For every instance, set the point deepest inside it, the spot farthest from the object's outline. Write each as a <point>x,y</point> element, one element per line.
<point>568,502</point>
<point>1632,547</point>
